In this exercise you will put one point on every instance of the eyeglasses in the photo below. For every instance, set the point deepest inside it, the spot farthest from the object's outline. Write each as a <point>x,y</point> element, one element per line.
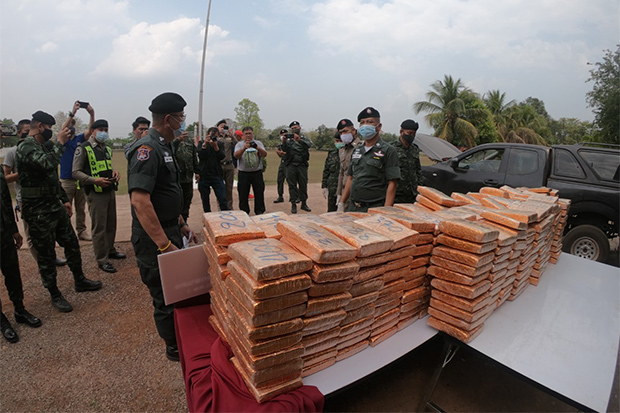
<point>177,116</point>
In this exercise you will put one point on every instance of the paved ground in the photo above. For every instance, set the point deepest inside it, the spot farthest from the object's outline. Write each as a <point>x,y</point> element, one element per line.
<point>106,355</point>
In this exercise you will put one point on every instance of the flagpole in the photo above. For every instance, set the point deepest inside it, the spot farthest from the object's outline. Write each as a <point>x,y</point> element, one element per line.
<point>202,76</point>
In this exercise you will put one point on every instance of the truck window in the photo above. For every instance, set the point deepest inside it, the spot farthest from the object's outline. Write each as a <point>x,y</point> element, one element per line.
<point>522,162</point>
<point>565,164</point>
<point>604,164</point>
<point>488,160</point>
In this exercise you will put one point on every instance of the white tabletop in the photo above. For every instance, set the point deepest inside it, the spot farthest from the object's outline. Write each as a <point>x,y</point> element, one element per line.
<point>371,359</point>
<point>563,333</point>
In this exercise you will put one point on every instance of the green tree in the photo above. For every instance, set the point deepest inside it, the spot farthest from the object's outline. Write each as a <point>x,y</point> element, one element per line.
<point>526,125</point>
<point>390,137</point>
<point>273,137</point>
<point>605,96</point>
<point>61,117</point>
<point>247,115</point>
<point>495,101</point>
<point>9,139</point>
<point>324,138</point>
<point>567,131</point>
<point>448,113</point>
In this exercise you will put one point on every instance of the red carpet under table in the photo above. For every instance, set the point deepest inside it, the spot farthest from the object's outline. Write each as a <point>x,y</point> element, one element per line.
<point>212,384</point>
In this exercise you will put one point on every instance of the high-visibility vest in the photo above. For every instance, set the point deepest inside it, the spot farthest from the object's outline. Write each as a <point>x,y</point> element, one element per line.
<point>96,167</point>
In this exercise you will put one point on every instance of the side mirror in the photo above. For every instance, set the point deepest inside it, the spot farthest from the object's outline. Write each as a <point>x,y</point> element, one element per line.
<point>454,163</point>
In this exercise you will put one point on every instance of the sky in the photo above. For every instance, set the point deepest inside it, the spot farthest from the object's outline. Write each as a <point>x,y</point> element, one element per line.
<point>311,61</point>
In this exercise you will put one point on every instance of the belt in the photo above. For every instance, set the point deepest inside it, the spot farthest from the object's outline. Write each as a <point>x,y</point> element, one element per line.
<point>169,223</point>
<point>363,204</point>
<point>226,162</point>
<point>35,192</point>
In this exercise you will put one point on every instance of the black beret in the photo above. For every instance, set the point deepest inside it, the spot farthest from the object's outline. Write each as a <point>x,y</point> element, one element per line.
<point>293,123</point>
<point>142,119</point>
<point>168,102</point>
<point>220,122</point>
<point>344,123</point>
<point>283,131</point>
<point>409,125</point>
<point>337,135</point>
<point>44,118</point>
<point>368,112</point>
<point>100,123</point>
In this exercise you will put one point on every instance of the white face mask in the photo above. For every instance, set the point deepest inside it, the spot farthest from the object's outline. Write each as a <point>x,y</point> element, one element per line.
<point>347,138</point>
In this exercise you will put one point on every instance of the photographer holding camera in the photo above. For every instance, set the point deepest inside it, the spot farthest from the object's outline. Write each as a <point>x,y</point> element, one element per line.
<point>296,160</point>
<point>210,154</point>
<point>250,154</point>
<point>228,167</point>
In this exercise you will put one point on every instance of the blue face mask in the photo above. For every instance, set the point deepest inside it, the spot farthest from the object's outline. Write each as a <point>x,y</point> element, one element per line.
<point>183,125</point>
<point>367,131</point>
<point>102,136</point>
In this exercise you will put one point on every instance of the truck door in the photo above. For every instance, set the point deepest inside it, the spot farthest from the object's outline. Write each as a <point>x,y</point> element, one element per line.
<point>485,167</point>
<point>526,167</point>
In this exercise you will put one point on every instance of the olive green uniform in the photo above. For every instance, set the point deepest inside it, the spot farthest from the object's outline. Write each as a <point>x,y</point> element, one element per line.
<point>43,209</point>
<point>410,172</point>
<point>228,168</point>
<point>371,171</point>
<point>101,201</point>
<point>296,160</point>
<point>331,171</point>
<point>152,168</point>
<point>343,174</point>
<point>186,156</point>
<point>281,174</point>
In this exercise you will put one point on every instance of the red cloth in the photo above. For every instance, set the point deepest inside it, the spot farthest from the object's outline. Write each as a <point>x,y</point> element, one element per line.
<point>211,381</point>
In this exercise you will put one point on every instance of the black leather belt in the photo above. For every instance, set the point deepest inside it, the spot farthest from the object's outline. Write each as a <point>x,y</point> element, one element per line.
<point>226,162</point>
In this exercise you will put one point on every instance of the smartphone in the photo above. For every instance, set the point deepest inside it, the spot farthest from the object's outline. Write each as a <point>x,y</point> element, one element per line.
<point>83,104</point>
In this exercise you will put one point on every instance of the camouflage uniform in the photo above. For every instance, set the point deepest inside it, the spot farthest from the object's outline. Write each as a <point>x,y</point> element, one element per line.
<point>43,210</point>
<point>9,263</point>
<point>410,172</point>
<point>331,171</point>
<point>186,156</point>
<point>345,160</point>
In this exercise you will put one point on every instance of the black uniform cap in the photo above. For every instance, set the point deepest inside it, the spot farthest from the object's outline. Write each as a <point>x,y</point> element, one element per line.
<point>220,122</point>
<point>409,125</point>
<point>368,112</point>
<point>142,119</point>
<point>293,123</point>
<point>282,131</point>
<point>44,118</point>
<point>344,123</point>
<point>168,102</point>
<point>100,123</point>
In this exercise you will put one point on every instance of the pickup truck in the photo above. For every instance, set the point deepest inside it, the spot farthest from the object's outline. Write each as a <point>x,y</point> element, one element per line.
<point>587,174</point>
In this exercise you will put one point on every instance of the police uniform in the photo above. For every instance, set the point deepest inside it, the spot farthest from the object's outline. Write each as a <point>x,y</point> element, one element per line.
<point>93,160</point>
<point>345,160</point>
<point>281,172</point>
<point>43,210</point>
<point>187,160</point>
<point>410,172</point>
<point>296,160</point>
<point>228,168</point>
<point>331,172</point>
<point>152,168</point>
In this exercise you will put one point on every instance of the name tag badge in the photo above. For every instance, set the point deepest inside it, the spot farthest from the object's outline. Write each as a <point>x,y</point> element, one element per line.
<point>356,156</point>
<point>167,158</point>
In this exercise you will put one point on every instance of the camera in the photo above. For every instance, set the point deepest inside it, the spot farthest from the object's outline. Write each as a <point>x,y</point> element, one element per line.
<point>253,145</point>
<point>83,105</point>
<point>225,127</point>
<point>289,136</point>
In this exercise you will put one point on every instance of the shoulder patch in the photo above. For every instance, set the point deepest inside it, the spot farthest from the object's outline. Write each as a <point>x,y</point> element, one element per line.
<point>143,153</point>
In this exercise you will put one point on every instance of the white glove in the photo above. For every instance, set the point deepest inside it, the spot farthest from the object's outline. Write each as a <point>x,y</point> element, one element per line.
<point>325,192</point>
<point>340,207</point>
<point>338,198</point>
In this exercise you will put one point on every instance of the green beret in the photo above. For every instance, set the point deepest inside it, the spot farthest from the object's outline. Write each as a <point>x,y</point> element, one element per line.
<point>168,102</point>
<point>409,125</point>
<point>44,118</point>
<point>368,112</point>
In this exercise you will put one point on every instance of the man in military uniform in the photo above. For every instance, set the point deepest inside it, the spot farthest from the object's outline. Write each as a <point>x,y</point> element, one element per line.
<point>11,240</point>
<point>140,128</point>
<point>187,159</point>
<point>156,205</point>
<point>46,207</point>
<point>281,168</point>
<point>374,170</point>
<point>92,167</point>
<point>228,166</point>
<point>409,161</point>
<point>296,160</point>
<point>331,171</point>
<point>348,136</point>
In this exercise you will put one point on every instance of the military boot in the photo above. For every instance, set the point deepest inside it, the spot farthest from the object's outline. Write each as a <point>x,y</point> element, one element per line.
<point>59,301</point>
<point>7,330</point>
<point>84,284</point>
<point>24,317</point>
<point>305,206</point>
<point>293,208</point>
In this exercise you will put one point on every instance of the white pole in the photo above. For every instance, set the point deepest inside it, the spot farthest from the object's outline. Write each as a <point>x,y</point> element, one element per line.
<point>202,76</point>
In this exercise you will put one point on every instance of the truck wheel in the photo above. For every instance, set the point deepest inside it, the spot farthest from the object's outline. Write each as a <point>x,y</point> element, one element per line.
<point>587,241</point>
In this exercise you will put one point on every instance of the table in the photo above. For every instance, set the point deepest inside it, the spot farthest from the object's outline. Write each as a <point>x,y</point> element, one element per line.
<point>562,334</point>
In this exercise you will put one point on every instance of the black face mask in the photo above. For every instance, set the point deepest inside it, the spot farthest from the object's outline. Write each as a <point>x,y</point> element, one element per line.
<point>409,138</point>
<point>46,134</point>
<point>24,135</point>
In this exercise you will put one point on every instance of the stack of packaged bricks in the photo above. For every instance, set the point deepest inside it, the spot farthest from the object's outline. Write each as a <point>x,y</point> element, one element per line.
<point>461,301</point>
<point>258,305</point>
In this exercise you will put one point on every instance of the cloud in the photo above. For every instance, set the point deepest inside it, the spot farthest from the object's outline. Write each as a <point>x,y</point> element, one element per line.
<point>47,47</point>
<point>150,50</point>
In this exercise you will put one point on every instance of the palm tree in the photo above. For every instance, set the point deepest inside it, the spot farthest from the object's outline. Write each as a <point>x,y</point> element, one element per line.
<point>495,101</point>
<point>523,123</point>
<point>447,111</point>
